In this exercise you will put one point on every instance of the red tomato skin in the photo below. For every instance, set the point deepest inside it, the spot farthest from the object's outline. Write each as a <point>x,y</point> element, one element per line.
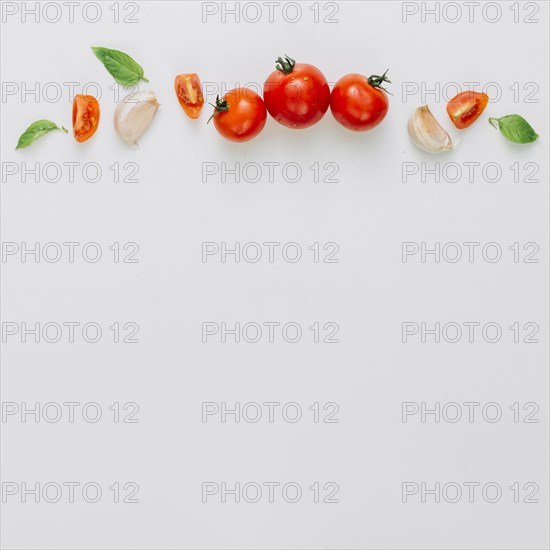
<point>299,99</point>
<point>85,117</point>
<point>357,105</point>
<point>245,118</point>
<point>466,107</point>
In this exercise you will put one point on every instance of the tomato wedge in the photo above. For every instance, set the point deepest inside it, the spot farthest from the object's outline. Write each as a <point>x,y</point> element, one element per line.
<point>189,92</point>
<point>85,117</point>
<point>464,109</point>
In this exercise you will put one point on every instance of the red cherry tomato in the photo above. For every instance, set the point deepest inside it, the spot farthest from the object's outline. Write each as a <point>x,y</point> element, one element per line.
<point>85,117</point>
<point>464,109</point>
<point>359,103</point>
<point>240,115</point>
<point>296,95</point>
<point>189,92</point>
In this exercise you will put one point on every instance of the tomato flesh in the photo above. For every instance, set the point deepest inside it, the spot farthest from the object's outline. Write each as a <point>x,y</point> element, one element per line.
<point>243,116</point>
<point>298,99</point>
<point>85,117</point>
<point>189,93</point>
<point>356,104</point>
<point>465,108</point>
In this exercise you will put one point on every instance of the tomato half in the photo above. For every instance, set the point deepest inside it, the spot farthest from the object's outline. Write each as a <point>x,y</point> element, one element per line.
<point>359,103</point>
<point>240,115</point>
<point>465,108</point>
<point>85,117</point>
<point>189,92</point>
<point>296,95</point>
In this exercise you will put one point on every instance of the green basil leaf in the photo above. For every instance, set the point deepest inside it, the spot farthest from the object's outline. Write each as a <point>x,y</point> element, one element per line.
<point>37,130</point>
<point>515,128</point>
<point>121,66</point>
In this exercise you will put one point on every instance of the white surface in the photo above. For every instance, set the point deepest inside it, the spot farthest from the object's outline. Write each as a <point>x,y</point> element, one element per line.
<point>369,293</point>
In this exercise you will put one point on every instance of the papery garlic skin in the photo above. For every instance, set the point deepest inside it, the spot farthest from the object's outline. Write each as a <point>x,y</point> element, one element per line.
<point>134,114</point>
<point>426,133</point>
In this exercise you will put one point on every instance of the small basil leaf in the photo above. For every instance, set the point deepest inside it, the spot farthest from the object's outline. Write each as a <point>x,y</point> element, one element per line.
<point>121,66</point>
<point>515,128</point>
<point>37,130</point>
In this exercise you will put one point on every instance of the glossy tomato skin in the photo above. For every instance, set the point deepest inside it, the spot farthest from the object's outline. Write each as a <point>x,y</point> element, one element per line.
<point>243,117</point>
<point>85,117</point>
<point>298,99</point>
<point>356,104</point>
<point>189,93</point>
<point>465,108</point>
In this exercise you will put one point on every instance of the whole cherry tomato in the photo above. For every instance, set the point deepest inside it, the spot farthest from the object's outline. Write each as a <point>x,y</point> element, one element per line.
<point>85,117</point>
<point>464,109</point>
<point>189,92</point>
<point>240,115</point>
<point>296,95</point>
<point>359,103</point>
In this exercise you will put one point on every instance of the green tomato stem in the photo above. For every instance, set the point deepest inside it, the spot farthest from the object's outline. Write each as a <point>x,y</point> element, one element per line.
<point>221,106</point>
<point>285,65</point>
<point>376,81</point>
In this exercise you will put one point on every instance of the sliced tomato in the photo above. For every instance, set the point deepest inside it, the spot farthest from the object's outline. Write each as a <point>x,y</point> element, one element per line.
<point>85,117</point>
<point>464,109</point>
<point>189,92</point>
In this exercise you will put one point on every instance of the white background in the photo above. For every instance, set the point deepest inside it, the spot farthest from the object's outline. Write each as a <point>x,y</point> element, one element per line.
<point>370,292</point>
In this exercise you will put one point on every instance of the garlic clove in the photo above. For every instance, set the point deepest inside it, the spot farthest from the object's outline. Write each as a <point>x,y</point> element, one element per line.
<point>426,133</point>
<point>134,114</point>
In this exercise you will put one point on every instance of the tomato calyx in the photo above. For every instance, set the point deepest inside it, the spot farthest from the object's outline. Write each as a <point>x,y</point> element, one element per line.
<point>220,107</point>
<point>285,65</point>
<point>376,81</point>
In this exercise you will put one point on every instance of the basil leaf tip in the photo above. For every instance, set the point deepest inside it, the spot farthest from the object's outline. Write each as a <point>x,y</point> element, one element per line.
<point>515,128</point>
<point>120,65</point>
<point>35,131</point>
